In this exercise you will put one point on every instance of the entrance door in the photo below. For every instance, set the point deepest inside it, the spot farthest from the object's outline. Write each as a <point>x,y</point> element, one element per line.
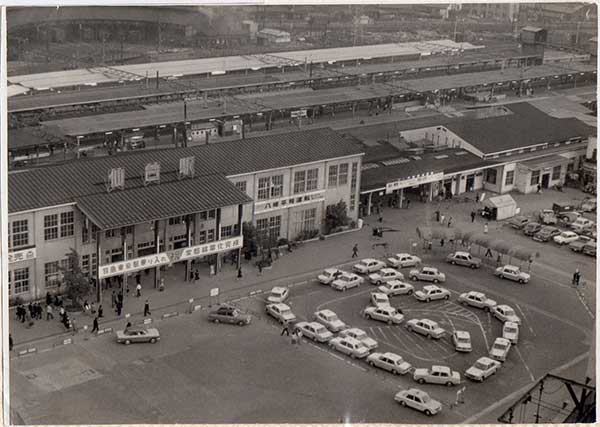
<point>470,182</point>
<point>545,180</point>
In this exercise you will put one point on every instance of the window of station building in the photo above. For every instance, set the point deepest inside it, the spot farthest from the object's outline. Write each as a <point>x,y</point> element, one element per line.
<point>343,174</point>
<point>51,274</point>
<point>535,177</point>
<point>145,245</point>
<point>67,224</point>
<point>556,172</point>
<point>510,178</point>
<point>353,182</point>
<point>312,179</point>
<point>20,281</point>
<point>241,186</point>
<point>202,237</point>
<point>85,264</point>
<point>212,214</point>
<point>491,175</point>
<point>338,175</point>
<point>113,232</point>
<point>94,263</point>
<point>270,187</point>
<point>175,220</point>
<point>19,235</point>
<point>333,176</point>
<point>299,182</point>
<point>269,226</point>
<point>88,235</point>
<point>203,216</point>
<point>51,227</point>
<point>128,229</point>
<point>226,231</point>
<point>210,235</point>
<point>305,220</point>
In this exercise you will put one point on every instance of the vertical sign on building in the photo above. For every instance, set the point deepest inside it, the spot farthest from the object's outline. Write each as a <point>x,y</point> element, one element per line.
<point>116,179</point>
<point>186,167</point>
<point>152,173</point>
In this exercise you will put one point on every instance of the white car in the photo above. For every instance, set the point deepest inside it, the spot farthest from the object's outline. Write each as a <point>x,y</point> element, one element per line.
<point>426,327</point>
<point>379,299</point>
<point>349,346</point>
<point>361,336</point>
<point>396,287</point>
<point>281,312</point>
<point>581,224</point>
<point>390,362</point>
<point>463,258</point>
<point>437,375</point>
<point>462,341</point>
<point>500,348</point>
<point>431,293</point>
<point>419,400</point>
<point>404,260</point>
<point>368,265</point>
<point>477,299</point>
<point>566,237</point>
<point>483,368</point>
<point>428,274</point>
<point>385,275</point>
<point>330,320</point>
<point>504,313</point>
<point>278,294</point>
<point>384,314</point>
<point>313,330</point>
<point>347,281</point>
<point>510,331</point>
<point>588,205</point>
<point>329,275</point>
<point>512,273</point>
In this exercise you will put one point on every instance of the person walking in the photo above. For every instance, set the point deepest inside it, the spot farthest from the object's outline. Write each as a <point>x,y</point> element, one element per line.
<point>30,308</point>
<point>48,298</point>
<point>120,297</point>
<point>119,308</point>
<point>49,312</point>
<point>260,267</point>
<point>95,325</point>
<point>100,311</point>
<point>146,308</point>
<point>196,276</point>
<point>161,288</point>
<point>460,396</point>
<point>485,228</point>
<point>355,250</point>
<point>576,278</point>
<point>239,273</point>
<point>539,188</point>
<point>10,342</point>
<point>285,330</point>
<point>138,290</point>
<point>113,299</point>
<point>442,219</point>
<point>473,215</point>
<point>61,311</point>
<point>86,308</point>
<point>449,221</point>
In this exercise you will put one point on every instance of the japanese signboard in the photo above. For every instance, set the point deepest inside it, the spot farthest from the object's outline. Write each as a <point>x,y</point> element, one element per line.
<point>23,255</point>
<point>170,257</point>
<point>116,179</point>
<point>298,113</point>
<point>413,181</point>
<point>288,202</point>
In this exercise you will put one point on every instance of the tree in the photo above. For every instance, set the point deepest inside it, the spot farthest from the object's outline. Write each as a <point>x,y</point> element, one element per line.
<point>249,234</point>
<point>77,284</point>
<point>336,216</point>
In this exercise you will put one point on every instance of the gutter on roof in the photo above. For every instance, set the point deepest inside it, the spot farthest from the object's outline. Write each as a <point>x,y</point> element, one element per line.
<point>41,209</point>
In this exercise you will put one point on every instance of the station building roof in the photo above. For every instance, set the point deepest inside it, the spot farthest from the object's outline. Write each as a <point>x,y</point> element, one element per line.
<point>66,183</point>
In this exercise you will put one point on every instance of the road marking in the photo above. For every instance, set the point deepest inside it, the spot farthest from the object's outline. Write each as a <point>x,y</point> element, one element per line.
<point>584,303</point>
<point>319,307</point>
<point>451,323</point>
<point>383,333</point>
<point>525,319</point>
<point>524,364</point>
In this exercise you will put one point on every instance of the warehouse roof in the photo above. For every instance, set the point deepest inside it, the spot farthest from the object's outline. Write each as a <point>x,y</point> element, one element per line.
<point>58,184</point>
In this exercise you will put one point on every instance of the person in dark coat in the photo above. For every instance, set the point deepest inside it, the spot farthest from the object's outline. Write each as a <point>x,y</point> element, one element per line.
<point>95,325</point>
<point>146,308</point>
<point>10,342</point>
<point>239,275</point>
<point>48,298</point>
<point>119,308</point>
<point>473,214</point>
<point>100,311</point>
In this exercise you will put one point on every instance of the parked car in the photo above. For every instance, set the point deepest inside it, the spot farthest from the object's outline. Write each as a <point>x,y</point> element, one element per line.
<point>581,224</point>
<point>500,349</point>
<point>419,400</point>
<point>313,330</point>
<point>531,228</point>
<point>512,272</point>
<point>436,375</point>
<point>426,327</point>
<point>504,313</point>
<point>590,248</point>
<point>562,207</point>
<point>136,334</point>
<point>565,237</point>
<point>483,368</point>
<point>281,312</point>
<point>567,218</point>
<point>390,362</point>
<point>429,274</point>
<point>278,294</point>
<point>477,299</point>
<point>368,265</point>
<point>385,275</point>
<point>462,341</point>
<point>577,245</point>
<point>548,217</point>
<point>361,336</point>
<point>379,299</point>
<point>518,222</point>
<point>228,314</point>
<point>347,281</point>
<point>546,233</point>
<point>396,287</point>
<point>464,259</point>
<point>385,314</point>
<point>403,260</point>
<point>588,205</point>
<point>432,293</point>
<point>329,275</point>
<point>349,346</point>
<point>330,320</point>
<point>510,331</point>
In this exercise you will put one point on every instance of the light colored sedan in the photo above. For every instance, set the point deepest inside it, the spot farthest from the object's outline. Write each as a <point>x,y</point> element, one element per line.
<point>426,327</point>
<point>566,237</point>
<point>504,313</point>
<point>462,341</point>
<point>329,275</point>
<point>419,400</point>
<point>313,330</point>
<point>368,265</point>
<point>403,260</point>
<point>228,314</point>
<point>512,273</point>
<point>361,336</point>
<point>432,293</point>
<point>437,375</point>
<point>135,334</point>
<point>278,294</point>
<point>385,275</point>
<point>349,346</point>
<point>390,362</point>
<point>281,312</point>
<point>379,299</point>
<point>330,320</point>
<point>463,258</point>
<point>347,281</point>
<point>483,368</point>
<point>396,287</point>
<point>384,314</point>
<point>428,274</point>
<point>510,331</point>
<point>477,299</point>
<point>500,348</point>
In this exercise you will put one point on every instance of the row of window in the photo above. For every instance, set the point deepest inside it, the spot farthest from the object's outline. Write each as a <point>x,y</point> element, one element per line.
<point>491,176</point>
<point>59,225</point>
<point>353,185</point>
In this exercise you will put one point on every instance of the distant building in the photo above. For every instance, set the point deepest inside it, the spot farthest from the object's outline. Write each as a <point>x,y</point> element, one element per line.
<point>499,11</point>
<point>251,28</point>
<point>269,35</point>
<point>558,12</point>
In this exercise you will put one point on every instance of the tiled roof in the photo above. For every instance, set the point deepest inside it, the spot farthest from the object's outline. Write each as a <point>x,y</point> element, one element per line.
<point>58,184</point>
<point>143,204</point>
<point>528,126</point>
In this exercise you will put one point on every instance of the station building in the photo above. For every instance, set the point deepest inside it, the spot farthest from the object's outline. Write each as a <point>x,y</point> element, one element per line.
<point>164,208</point>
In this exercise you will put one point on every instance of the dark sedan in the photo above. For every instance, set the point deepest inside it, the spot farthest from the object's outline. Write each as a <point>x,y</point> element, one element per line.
<point>227,314</point>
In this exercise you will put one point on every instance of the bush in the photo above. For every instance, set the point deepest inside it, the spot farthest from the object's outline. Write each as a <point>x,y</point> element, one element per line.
<point>353,224</point>
<point>335,216</point>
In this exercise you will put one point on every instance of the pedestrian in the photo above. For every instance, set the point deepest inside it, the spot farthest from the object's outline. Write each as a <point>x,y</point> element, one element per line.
<point>239,274</point>
<point>10,342</point>
<point>48,298</point>
<point>576,277</point>
<point>49,314</point>
<point>138,279</point>
<point>296,338</point>
<point>355,250</point>
<point>61,311</point>
<point>100,311</point>
<point>449,221</point>
<point>260,267</point>
<point>18,312</point>
<point>539,188</point>
<point>196,276</point>
<point>442,242</point>
<point>29,320</point>
<point>498,260</point>
<point>93,308</point>
<point>473,215</point>
<point>119,308</point>
<point>86,307</point>
<point>407,203</point>
<point>460,396</point>
<point>485,228</point>
<point>95,325</point>
<point>442,218</point>
<point>30,308</point>
<point>146,308</point>
<point>113,299</point>
<point>437,216</point>
<point>285,330</point>
<point>120,297</point>
<point>162,284</point>
<point>128,325</point>
<point>138,290</point>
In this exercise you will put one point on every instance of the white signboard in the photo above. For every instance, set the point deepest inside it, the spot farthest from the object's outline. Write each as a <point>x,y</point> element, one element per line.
<point>23,255</point>
<point>298,113</point>
<point>169,257</point>
<point>214,292</point>
<point>413,180</point>
<point>288,202</point>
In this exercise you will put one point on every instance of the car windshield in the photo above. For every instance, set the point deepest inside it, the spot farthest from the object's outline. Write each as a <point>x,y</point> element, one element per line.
<point>319,329</point>
<point>500,346</point>
<point>360,335</point>
<point>380,298</point>
<point>277,293</point>
<point>510,330</point>
<point>463,340</point>
<point>509,312</point>
<point>481,365</point>
<point>425,398</point>
<point>285,312</point>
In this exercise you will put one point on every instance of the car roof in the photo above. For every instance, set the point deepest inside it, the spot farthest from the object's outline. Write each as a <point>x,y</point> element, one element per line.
<point>401,254</point>
<point>136,328</point>
<point>417,392</point>
<point>392,356</point>
<point>501,340</point>
<point>511,266</point>
<point>429,268</point>
<point>485,360</point>
<point>355,330</point>
<point>379,294</point>
<point>476,293</point>
<point>462,334</point>
<point>331,270</point>
<point>431,322</point>
<point>281,306</point>
<point>315,324</point>
<point>368,259</point>
<point>462,253</point>
<point>352,340</point>
<point>279,289</point>
<point>326,312</point>
<point>503,306</point>
<point>387,269</point>
<point>441,368</point>
<point>430,287</point>
<point>512,324</point>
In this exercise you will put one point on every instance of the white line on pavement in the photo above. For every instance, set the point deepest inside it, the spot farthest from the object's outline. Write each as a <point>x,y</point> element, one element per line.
<point>525,364</point>
<point>320,306</point>
<point>525,319</point>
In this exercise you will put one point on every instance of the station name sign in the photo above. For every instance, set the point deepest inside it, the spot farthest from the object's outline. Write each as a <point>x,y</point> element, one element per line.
<point>169,257</point>
<point>413,180</point>
<point>289,202</point>
<point>23,255</point>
